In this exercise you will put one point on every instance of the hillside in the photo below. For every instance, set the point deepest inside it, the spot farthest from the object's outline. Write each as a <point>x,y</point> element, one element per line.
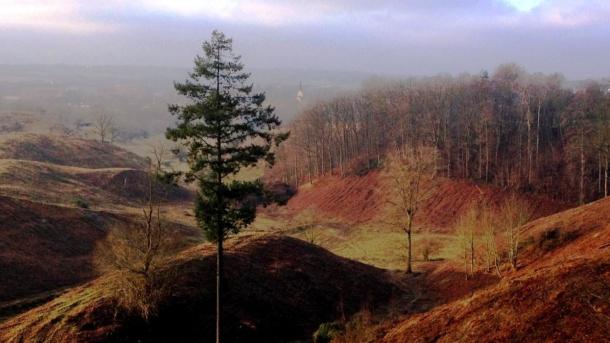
<point>560,293</point>
<point>46,247</point>
<point>99,188</point>
<point>279,289</point>
<point>367,198</point>
<point>53,214</point>
<point>67,151</point>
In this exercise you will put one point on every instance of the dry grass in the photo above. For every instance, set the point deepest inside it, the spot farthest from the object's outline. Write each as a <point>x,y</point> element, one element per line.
<point>303,284</point>
<point>559,293</point>
<point>67,151</point>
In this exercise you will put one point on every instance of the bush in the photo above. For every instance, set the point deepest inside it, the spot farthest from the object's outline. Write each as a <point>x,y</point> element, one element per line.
<point>326,332</point>
<point>554,238</point>
<point>80,202</point>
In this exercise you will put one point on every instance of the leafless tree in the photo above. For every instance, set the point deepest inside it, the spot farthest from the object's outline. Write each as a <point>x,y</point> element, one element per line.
<point>104,128</point>
<point>138,258</point>
<point>161,153</point>
<point>513,214</point>
<point>467,229</point>
<point>414,177</point>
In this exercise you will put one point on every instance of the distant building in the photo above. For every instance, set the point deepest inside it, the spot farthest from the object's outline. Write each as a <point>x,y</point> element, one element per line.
<point>300,94</point>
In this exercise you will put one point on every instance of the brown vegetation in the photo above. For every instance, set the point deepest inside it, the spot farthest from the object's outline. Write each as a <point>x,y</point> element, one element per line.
<point>46,247</point>
<point>282,288</point>
<point>560,292</point>
<point>67,151</point>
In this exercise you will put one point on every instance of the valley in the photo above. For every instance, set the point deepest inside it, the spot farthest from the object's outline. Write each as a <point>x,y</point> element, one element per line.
<point>333,235</point>
<point>330,194</point>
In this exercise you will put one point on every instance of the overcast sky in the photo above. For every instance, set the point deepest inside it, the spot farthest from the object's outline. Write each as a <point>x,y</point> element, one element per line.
<point>404,37</point>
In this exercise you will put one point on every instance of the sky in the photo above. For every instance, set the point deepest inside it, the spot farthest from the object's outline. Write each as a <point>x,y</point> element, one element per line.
<point>397,37</point>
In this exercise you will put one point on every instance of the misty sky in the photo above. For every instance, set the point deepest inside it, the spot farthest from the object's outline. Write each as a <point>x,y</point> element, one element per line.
<point>407,37</point>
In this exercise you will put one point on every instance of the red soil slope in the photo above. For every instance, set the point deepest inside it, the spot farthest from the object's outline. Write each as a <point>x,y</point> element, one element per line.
<point>352,199</point>
<point>278,289</point>
<point>560,293</point>
<point>357,199</point>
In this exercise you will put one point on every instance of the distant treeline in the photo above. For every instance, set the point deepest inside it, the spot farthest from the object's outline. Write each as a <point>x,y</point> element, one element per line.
<point>511,129</point>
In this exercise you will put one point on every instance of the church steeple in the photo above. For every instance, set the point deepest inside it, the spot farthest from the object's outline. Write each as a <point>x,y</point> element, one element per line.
<point>300,94</point>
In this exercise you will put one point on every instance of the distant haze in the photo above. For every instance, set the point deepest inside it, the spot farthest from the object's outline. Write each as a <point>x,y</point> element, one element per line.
<point>137,97</point>
<point>408,37</point>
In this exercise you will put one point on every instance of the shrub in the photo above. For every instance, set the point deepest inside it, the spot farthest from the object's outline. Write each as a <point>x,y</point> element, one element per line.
<point>553,238</point>
<point>80,202</point>
<point>326,332</point>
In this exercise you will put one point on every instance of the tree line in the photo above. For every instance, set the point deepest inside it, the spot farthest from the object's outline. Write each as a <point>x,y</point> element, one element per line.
<point>511,129</point>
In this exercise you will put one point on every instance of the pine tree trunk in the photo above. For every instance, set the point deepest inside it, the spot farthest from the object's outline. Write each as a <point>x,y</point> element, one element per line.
<point>409,256</point>
<point>219,228</point>
<point>219,277</point>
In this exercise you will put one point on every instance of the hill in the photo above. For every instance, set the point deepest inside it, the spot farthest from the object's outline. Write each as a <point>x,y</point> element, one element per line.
<point>361,199</point>
<point>100,188</point>
<point>67,151</point>
<point>279,289</point>
<point>46,247</point>
<point>53,214</point>
<point>559,293</point>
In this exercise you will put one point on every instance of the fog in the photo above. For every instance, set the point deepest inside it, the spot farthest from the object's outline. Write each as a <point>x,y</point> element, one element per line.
<point>73,59</point>
<point>388,37</point>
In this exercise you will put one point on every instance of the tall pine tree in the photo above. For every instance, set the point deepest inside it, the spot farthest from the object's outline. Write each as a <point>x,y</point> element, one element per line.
<point>225,127</point>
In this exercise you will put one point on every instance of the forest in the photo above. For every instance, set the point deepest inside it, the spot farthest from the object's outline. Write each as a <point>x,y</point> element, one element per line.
<point>512,129</point>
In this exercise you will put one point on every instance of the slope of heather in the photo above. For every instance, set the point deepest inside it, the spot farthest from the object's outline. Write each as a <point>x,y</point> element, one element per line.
<point>360,199</point>
<point>44,247</point>
<point>67,151</point>
<point>560,293</point>
<point>57,184</point>
<point>351,199</point>
<point>278,289</point>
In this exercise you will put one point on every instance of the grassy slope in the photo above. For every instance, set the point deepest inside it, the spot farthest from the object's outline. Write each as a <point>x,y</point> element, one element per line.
<point>67,151</point>
<point>106,188</point>
<point>47,246</point>
<point>46,241</point>
<point>279,288</point>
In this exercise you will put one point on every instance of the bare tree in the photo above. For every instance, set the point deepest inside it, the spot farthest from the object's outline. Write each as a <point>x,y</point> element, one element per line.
<point>467,228</point>
<point>161,152</point>
<point>138,257</point>
<point>512,215</point>
<point>414,177</point>
<point>488,228</point>
<point>104,128</point>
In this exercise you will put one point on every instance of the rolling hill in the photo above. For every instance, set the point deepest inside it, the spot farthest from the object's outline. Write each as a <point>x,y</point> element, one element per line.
<point>279,289</point>
<point>362,199</point>
<point>59,197</point>
<point>67,151</point>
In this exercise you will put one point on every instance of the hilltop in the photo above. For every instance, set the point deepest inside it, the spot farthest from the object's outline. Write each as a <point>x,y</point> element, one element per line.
<point>279,289</point>
<point>107,188</point>
<point>67,151</point>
